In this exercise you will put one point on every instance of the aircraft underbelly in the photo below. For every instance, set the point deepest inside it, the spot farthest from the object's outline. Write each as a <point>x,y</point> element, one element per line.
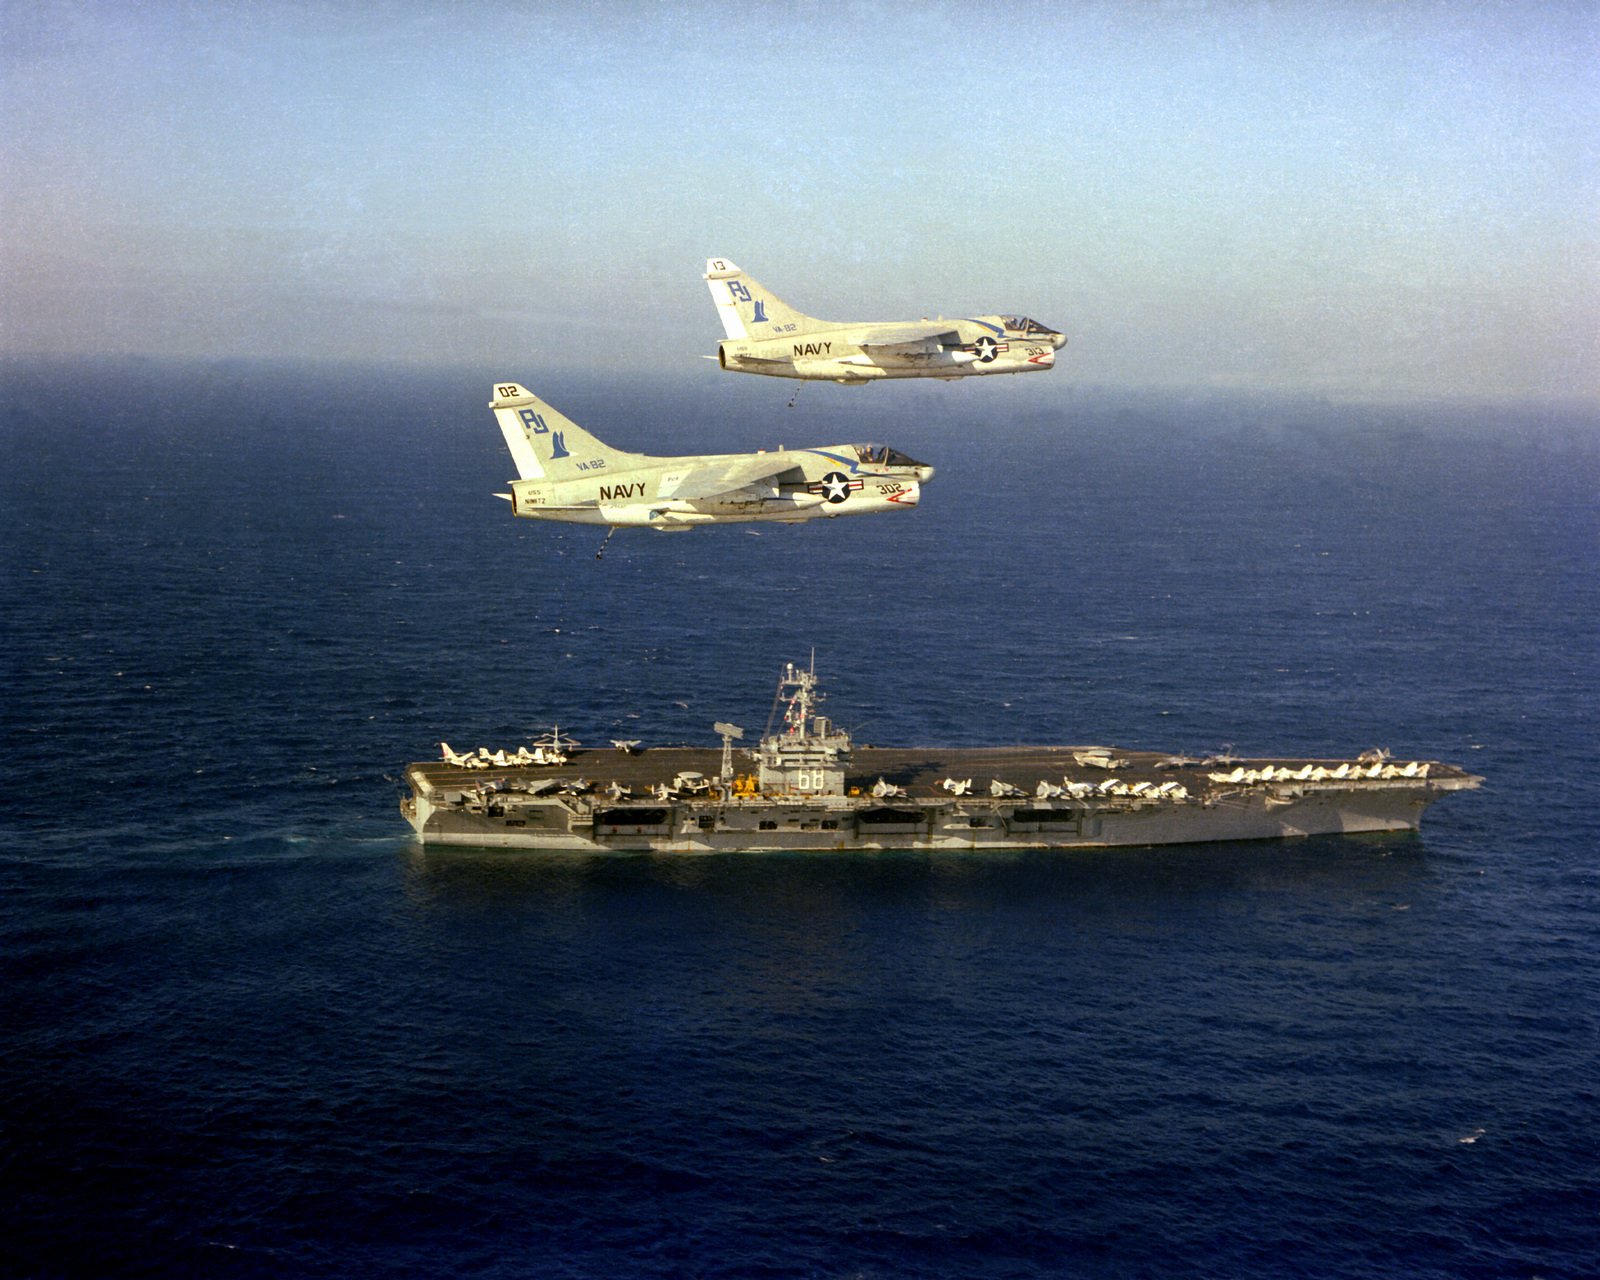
<point>855,368</point>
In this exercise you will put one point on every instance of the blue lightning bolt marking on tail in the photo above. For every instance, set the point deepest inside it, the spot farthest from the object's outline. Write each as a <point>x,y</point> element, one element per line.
<point>559,446</point>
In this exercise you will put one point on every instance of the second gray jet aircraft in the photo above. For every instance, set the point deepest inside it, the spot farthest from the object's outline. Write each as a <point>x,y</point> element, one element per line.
<point>767,336</point>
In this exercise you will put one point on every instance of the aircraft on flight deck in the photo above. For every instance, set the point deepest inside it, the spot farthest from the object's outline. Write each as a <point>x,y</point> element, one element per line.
<point>567,474</point>
<point>765,335</point>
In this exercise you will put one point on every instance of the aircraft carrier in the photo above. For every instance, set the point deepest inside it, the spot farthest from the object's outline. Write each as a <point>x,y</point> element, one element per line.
<point>808,787</point>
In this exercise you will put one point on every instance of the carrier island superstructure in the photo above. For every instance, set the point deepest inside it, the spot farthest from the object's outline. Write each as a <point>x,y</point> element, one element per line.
<point>807,786</point>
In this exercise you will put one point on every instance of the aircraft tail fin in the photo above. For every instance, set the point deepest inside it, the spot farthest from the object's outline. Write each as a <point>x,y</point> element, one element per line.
<point>544,444</point>
<point>750,310</point>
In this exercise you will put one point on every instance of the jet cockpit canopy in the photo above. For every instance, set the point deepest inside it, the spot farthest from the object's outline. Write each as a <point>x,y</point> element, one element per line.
<point>881,455</point>
<point>1024,326</point>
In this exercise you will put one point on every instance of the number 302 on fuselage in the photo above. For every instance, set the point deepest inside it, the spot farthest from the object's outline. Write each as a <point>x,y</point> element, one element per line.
<point>565,473</point>
<point>767,336</point>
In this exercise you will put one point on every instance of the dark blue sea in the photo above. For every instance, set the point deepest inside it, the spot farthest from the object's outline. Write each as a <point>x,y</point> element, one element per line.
<point>249,1028</point>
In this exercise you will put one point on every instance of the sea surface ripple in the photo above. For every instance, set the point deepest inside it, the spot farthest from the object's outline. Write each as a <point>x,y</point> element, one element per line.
<point>252,1029</point>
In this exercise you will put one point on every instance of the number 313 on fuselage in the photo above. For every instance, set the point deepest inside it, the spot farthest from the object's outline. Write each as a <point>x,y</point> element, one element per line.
<point>767,336</point>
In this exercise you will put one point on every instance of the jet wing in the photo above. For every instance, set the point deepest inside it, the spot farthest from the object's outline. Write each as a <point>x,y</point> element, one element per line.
<point>708,480</point>
<point>910,342</point>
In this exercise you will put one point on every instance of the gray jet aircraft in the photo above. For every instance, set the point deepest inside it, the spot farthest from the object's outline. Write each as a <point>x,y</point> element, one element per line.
<point>567,474</point>
<point>766,335</point>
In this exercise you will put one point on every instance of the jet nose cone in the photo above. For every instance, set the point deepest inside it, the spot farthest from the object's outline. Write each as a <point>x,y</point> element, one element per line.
<point>1058,340</point>
<point>924,473</point>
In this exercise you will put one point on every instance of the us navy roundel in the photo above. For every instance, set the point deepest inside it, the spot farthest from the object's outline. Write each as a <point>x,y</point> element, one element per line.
<point>835,486</point>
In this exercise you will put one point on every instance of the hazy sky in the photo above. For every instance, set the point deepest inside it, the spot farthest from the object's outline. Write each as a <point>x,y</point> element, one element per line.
<point>1362,198</point>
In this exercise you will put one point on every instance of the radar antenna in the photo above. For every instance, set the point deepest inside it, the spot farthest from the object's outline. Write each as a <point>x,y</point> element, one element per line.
<point>729,732</point>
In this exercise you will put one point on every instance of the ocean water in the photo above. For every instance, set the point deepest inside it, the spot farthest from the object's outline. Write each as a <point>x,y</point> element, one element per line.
<point>251,1029</point>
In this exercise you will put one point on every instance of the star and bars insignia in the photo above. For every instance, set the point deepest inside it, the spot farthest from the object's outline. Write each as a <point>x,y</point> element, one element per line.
<point>835,486</point>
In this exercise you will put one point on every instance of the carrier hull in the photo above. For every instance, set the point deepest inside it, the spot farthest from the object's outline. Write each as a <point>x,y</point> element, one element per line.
<point>522,808</point>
